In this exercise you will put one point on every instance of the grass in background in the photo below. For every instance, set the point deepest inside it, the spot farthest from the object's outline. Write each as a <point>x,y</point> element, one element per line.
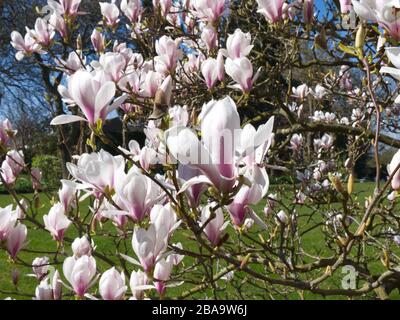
<point>313,243</point>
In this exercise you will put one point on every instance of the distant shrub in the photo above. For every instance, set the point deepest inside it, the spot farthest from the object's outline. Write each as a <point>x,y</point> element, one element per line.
<point>51,170</point>
<point>22,185</point>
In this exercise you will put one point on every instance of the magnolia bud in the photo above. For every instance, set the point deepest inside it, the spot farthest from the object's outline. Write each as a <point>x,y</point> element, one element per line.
<point>79,43</point>
<point>392,196</point>
<point>337,184</point>
<point>350,184</point>
<point>162,99</point>
<point>15,276</point>
<point>283,217</point>
<point>360,37</point>
<point>320,40</point>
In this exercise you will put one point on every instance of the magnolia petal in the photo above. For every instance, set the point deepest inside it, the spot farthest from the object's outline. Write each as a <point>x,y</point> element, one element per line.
<point>393,54</point>
<point>194,181</point>
<point>104,96</point>
<point>395,73</point>
<point>257,219</point>
<point>117,102</point>
<point>66,118</point>
<point>130,259</point>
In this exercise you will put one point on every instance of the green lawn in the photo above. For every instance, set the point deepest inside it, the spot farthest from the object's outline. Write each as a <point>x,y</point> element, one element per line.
<point>39,240</point>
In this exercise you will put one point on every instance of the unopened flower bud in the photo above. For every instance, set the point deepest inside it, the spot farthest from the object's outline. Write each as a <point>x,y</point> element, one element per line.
<point>360,37</point>
<point>15,276</point>
<point>350,184</point>
<point>283,217</point>
<point>79,43</point>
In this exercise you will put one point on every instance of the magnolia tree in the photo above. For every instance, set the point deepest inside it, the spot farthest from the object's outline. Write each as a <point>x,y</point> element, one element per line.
<point>228,94</point>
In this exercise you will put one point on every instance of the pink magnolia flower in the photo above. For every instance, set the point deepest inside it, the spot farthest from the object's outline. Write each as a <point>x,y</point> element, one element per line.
<point>43,32</point>
<point>167,54</point>
<point>249,195</point>
<point>6,131</point>
<point>22,208</point>
<point>271,9</point>
<point>391,170</point>
<point>165,6</point>
<point>385,13</point>
<point>345,6</point>
<point>345,78</point>
<point>209,70</point>
<point>80,273</point>
<point>164,92</point>
<point>40,267</point>
<point>110,13</point>
<point>193,64</point>
<point>7,173</point>
<point>92,96</point>
<point>56,285</point>
<point>25,46</point>
<point>147,158</point>
<point>238,45</point>
<point>254,144</point>
<point>296,142</point>
<point>137,61</point>
<point>241,71</point>
<point>66,7</point>
<point>130,82</point>
<point>177,258</point>
<point>209,36</point>
<point>282,217</point>
<point>194,192</point>
<point>149,244</point>
<point>98,171</point>
<point>111,65</point>
<point>222,147</point>
<point>98,41</point>
<point>208,10</point>
<point>214,154</point>
<point>152,81</point>
<point>16,239</point>
<point>325,142</point>
<point>56,222</point>
<point>81,247</point>
<point>215,227</point>
<point>44,291</point>
<point>58,23</point>
<point>67,195</point>
<point>393,53</point>
<point>123,49</point>
<point>173,17</point>
<point>178,115</point>
<point>301,92</point>
<point>112,285</point>
<point>132,9</point>
<point>320,92</point>
<point>164,217</point>
<point>8,218</point>
<point>76,61</point>
<point>136,193</point>
<point>47,290</point>
<point>107,211</point>
<point>15,159</point>
<point>36,175</point>
<point>162,273</point>
<point>138,282</point>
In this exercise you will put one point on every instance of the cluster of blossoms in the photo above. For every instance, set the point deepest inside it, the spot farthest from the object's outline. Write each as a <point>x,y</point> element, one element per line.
<point>14,163</point>
<point>12,232</point>
<point>199,168</point>
<point>227,158</point>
